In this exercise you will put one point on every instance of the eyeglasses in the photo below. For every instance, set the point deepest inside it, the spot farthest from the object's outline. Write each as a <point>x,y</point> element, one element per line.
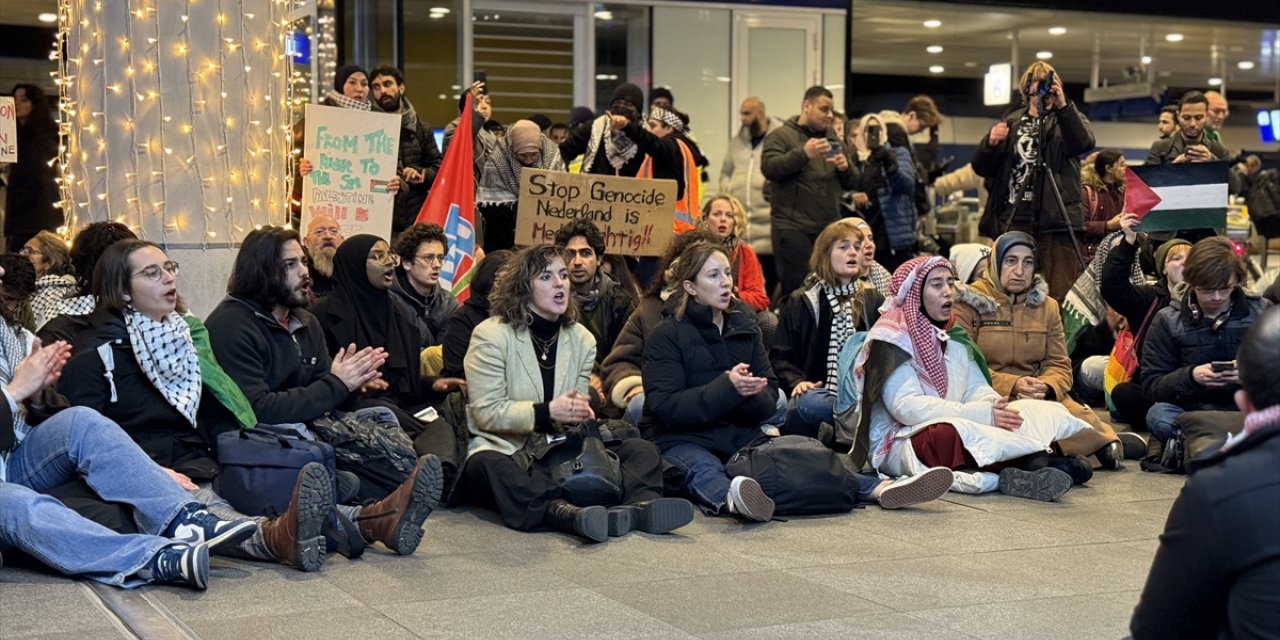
<point>1213,293</point>
<point>429,258</point>
<point>529,157</point>
<point>383,257</point>
<point>26,251</point>
<point>154,271</point>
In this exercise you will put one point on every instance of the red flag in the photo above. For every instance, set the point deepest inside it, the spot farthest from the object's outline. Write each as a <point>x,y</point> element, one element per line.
<point>1138,197</point>
<point>451,203</point>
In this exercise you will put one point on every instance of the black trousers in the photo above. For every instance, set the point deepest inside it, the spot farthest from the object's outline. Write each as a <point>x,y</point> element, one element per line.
<point>1131,404</point>
<point>791,251</point>
<point>497,481</point>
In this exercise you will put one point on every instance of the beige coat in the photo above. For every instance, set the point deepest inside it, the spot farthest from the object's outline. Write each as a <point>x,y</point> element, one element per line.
<point>1022,336</point>
<point>504,382</point>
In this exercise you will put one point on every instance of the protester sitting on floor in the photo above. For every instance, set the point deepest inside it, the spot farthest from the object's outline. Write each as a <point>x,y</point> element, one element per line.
<point>1139,303</point>
<point>44,444</point>
<point>527,377</point>
<point>872,271</point>
<point>457,332</point>
<point>815,322</point>
<point>621,368</point>
<point>274,350</point>
<point>927,400</point>
<point>1189,353</point>
<point>1008,313</point>
<point>724,216</point>
<point>1218,564</point>
<point>324,234</point>
<point>55,279</point>
<point>67,318</point>
<point>422,249</point>
<point>970,260</point>
<point>138,365</point>
<point>709,389</point>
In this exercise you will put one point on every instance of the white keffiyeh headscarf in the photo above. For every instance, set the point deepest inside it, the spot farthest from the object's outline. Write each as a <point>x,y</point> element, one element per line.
<point>168,358</point>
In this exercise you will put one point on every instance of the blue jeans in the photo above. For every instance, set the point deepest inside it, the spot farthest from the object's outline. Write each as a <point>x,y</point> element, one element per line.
<point>809,410</point>
<point>704,478</point>
<point>1160,419</point>
<point>81,442</point>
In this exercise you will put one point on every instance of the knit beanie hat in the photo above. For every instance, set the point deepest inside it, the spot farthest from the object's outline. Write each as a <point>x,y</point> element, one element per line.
<point>344,72</point>
<point>579,115</point>
<point>629,92</point>
<point>966,257</point>
<point>523,136</point>
<point>1162,253</point>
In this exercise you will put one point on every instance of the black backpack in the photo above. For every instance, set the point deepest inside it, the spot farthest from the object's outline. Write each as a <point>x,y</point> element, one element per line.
<point>1264,203</point>
<point>370,444</point>
<point>800,474</point>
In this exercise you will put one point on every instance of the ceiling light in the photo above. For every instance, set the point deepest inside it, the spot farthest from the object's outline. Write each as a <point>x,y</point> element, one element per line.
<point>603,15</point>
<point>435,16</point>
<point>1044,55</point>
<point>606,76</point>
<point>1057,31</point>
<point>932,24</point>
<point>970,65</point>
<point>1245,64</point>
<point>439,9</point>
<point>1173,37</point>
<point>937,68</point>
<point>1146,59</point>
<point>933,48</point>
<point>47,17</point>
<point>1215,82</point>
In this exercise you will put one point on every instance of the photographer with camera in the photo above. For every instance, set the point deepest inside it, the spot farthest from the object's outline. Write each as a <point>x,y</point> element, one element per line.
<point>1030,161</point>
<point>887,175</point>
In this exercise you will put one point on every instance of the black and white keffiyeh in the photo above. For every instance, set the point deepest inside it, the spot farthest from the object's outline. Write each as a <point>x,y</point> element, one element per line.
<point>840,299</point>
<point>168,358</point>
<point>14,343</point>
<point>343,101</point>
<point>618,148</point>
<point>75,306</point>
<point>666,117</point>
<point>500,178</point>
<point>51,290</point>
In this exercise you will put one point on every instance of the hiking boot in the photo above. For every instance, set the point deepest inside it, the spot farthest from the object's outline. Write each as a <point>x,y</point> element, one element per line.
<point>661,515</point>
<point>591,523</point>
<point>1074,465</point>
<point>1045,485</point>
<point>1109,456</point>
<point>179,563</point>
<point>904,492</point>
<point>396,520</point>
<point>295,536</point>
<point>747,499</point>
<point>1135,448</point>
<point>342,535</point>
<point>195,525</point>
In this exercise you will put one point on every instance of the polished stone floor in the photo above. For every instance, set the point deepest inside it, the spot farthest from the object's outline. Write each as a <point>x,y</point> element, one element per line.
<point>962,567</point>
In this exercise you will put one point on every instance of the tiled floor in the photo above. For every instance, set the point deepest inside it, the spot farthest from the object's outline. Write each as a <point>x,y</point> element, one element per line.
<point>966,566</point>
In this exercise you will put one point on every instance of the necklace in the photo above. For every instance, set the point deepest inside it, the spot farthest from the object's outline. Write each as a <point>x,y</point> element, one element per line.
<point>543,347</point>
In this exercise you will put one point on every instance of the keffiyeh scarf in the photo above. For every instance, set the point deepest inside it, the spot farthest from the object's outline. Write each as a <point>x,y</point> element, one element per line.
<point>588,301</point>
<point>500,178</point>
<point>348,103</point>
<point>50,292</point>
<point>75,306</point>
<point>618,148</point>
<point>840,299</point>
<point>13,348</point>
<point>168,358</point>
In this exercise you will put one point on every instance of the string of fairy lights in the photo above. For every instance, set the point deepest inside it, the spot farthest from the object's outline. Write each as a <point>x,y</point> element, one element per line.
<point>174,116</point>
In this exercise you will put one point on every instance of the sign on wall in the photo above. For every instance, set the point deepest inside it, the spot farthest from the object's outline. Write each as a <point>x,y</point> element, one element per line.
<point>354,155</point>
<point>635,215</point>
<point>8,131</point>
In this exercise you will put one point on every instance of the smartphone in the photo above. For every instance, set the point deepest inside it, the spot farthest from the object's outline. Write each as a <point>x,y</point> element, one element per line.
<point>873,136</point>
<point>1223,365</point>
<point>427,415</point>
<point>834,149</point>
<point>479,76</point>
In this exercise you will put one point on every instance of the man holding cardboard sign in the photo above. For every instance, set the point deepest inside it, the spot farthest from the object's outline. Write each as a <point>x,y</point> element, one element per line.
<point>634,215</point>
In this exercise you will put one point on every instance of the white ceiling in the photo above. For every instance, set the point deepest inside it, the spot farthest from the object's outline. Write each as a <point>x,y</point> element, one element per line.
<point>889,38</point>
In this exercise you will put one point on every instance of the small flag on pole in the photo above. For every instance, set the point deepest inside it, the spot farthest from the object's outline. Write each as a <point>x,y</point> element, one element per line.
<point>1173,197</point>
<point>451,204</point>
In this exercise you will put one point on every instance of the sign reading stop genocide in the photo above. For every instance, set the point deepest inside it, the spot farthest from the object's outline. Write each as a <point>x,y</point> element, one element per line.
<point>634,215</point>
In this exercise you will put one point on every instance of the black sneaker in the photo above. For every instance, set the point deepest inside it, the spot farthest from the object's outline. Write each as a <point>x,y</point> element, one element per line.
<point>195,525</point>
<point>1135,447</point>
<point>179,563</point>
<point>1109,456</point>
<point>1045,485</point>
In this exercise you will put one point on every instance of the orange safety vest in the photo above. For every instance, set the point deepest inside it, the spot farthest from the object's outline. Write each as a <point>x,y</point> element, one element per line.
<point>686,209</point>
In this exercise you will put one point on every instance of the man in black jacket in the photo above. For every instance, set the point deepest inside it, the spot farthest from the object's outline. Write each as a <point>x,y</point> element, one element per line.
<point>422,249</point>
<point>419,156</point>
<point>1022,201</point>
<point>1190,143</point>
<point>807,173</point>
<point>1217,571</point>
<point>617,144</point>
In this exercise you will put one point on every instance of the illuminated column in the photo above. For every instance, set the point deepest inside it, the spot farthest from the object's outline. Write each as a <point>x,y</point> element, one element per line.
<point>174,121</point>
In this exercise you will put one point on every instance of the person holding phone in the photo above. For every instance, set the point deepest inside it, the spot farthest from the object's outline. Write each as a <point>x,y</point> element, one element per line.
<point>1190,143</point>
<point>887,177</point>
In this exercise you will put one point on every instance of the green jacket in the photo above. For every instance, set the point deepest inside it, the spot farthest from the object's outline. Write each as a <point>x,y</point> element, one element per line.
<point>216,380</point>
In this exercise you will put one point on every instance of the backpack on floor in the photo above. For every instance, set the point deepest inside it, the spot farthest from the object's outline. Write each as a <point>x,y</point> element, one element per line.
<point>370,444</point>
<point>261,465</point>
<point>800,474</point>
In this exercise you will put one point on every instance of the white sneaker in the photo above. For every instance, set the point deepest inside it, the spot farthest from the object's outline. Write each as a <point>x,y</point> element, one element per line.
<point>747,499</point>
<point>909,490</point>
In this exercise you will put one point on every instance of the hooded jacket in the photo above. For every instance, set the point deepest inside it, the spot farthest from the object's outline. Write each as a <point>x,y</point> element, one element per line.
<point>804,192</point>
<point>742,178</point>
<point>429,313</point>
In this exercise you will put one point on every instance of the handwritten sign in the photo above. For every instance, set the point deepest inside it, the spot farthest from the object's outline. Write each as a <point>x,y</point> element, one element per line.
<point>354,154</point>
<point>8,131</point>
<point>634,215</point>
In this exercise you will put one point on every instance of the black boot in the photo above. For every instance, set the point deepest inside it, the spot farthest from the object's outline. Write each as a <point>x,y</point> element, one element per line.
<point>1074,465</point>
<point>591,523</point>
<point>661,515</point>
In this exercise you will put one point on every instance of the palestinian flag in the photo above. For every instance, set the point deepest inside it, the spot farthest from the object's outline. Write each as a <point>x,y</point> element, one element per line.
<point>1173,197</point>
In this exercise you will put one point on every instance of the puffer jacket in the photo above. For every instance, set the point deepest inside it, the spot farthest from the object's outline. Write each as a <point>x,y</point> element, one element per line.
<point>1066,138</point>
<point>896,197</point>
<point>741,177</point>
<point>418,150</point>
<point>1177,342</point>
<point>1023,337</point>
<point>804,192</point>
<point>688,395</point>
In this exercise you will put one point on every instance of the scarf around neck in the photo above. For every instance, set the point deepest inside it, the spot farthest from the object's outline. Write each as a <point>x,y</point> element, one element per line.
<point>904,324</point>
<point>343,101</point>
<point>167,356</point>
<point>840,298</point>
<point>618,147</point>
<point>500,178</point>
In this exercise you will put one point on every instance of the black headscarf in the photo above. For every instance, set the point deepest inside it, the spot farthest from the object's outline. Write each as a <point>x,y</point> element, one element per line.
<point>377,322</point>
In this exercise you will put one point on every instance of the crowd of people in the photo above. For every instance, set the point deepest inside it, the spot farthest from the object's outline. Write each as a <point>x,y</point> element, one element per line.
<point>796,313</point>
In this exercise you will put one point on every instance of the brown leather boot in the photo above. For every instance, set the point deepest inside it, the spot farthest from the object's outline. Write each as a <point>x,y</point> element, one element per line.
<point>295,536</point>
<point>396,520</point>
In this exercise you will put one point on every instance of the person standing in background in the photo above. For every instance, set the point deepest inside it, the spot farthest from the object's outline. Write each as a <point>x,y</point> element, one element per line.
<point>31,196</point>
<point>742,178</point>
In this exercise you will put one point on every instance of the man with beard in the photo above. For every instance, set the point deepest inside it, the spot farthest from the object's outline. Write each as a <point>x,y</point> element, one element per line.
<point>741,178</point>
<point>422,249</point>
<point>1192,142</point>
<point>419,156</point>
<point>324,234</point>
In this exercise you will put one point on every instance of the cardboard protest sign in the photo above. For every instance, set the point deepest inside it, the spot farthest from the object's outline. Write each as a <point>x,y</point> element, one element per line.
<point>354,154</point>
<point>8,131</point>
<point>634,215</point>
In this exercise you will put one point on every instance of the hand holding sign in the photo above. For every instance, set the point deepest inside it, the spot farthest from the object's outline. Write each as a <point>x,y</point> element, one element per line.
<point>349,168</point>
